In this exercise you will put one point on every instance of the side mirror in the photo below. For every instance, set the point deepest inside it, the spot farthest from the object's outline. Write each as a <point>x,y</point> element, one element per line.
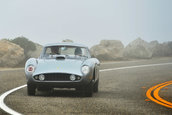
<point>98,63</point>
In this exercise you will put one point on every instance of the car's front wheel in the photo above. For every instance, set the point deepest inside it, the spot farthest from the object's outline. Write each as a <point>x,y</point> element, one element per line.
<point>89,90</point>
<point>31,89</point>
<point>96,86</point>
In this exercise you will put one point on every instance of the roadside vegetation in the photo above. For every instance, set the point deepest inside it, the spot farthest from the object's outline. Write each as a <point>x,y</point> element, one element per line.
<point>24,43</point>
<point>15,52</point>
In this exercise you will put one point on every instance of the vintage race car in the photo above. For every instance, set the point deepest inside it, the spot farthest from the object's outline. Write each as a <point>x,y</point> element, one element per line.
<point>63,65</point>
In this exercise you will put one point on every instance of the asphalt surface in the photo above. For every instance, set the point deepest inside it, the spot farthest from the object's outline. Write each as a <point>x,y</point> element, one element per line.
<point>121,92</point>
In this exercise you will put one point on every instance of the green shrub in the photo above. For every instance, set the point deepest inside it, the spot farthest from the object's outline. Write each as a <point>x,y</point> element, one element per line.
<point>25,44</point>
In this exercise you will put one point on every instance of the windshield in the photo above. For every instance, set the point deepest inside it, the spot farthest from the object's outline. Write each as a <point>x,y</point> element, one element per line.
<point>70,51</point>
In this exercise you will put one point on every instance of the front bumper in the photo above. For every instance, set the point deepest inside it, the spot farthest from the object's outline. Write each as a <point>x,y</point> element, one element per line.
<point>85,80</point>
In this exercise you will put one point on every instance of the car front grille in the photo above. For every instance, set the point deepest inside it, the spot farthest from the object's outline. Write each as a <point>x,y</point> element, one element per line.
<point>57,77</point>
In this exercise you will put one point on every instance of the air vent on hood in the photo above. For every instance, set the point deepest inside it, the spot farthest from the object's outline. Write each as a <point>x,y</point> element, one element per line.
<point>60,57</point>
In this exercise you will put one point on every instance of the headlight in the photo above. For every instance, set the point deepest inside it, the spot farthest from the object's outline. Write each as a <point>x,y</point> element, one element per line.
<point>72,77</point>
<point>41,77</point>
<point>30,69</point>
<point>85,69</point>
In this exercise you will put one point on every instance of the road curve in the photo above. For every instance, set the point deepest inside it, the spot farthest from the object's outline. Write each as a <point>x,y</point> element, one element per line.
<point>4,106</point>
<point>153,94</point>
<point>121,92</point>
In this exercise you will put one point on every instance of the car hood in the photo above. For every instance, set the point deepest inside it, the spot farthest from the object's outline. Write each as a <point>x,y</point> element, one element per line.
<point>70,66</point>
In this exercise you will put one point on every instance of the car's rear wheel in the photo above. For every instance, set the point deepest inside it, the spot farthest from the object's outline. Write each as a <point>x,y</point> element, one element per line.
<point>96,86</point>
<point>31,89</point>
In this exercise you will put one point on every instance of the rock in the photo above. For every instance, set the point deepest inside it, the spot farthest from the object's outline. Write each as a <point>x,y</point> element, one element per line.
<point>67,40</point>
<point>108,50</point>
<point>161,50</point>
<point>153,44</point>
<point>169,45</point>
<point>36,53</point>
<point>10,54</point>
<point>138,49</point>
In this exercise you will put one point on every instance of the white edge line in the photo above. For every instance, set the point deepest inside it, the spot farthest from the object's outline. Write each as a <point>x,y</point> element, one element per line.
<point>139,66</point>
<point>4,107</point>
<point>117,62</point>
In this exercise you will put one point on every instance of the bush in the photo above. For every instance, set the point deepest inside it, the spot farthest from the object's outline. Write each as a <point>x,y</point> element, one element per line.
<point>25,44</point>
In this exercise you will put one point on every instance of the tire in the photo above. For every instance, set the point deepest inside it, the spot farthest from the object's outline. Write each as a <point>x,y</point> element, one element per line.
<point>96,86</point>
<point>31,89</point>
<point>89,90</point>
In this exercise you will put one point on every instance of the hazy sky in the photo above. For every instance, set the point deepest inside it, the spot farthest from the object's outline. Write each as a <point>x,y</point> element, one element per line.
<point>86,21</point>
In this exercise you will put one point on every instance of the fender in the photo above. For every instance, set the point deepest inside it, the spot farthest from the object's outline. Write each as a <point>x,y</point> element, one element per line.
<point>31,61</point>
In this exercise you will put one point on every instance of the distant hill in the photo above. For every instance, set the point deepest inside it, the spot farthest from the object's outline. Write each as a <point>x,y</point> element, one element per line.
<point>15,52</point>
<point>110,50</point>
<point>10,54</point>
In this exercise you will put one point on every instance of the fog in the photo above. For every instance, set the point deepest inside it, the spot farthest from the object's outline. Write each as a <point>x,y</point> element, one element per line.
<point>86,21</point>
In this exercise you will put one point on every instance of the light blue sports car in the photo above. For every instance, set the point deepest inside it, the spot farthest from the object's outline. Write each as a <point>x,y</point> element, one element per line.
<point>63,65</point>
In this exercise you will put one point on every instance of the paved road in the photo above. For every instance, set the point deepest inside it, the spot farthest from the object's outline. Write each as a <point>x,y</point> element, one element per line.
<point>122,92</point>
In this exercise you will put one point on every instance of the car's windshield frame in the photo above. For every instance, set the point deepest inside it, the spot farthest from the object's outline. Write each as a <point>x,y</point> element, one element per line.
<point>43,54</point>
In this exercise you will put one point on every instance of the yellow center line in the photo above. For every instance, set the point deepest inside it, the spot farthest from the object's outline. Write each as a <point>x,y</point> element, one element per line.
<point>157,98</point>
<point>156,94</point>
